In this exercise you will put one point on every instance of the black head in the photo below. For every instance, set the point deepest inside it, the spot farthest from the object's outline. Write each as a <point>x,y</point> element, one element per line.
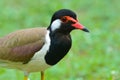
<point>65,20</point>
<point>63,12</point>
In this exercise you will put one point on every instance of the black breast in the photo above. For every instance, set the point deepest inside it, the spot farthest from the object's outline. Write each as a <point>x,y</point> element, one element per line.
<point>60,45</point>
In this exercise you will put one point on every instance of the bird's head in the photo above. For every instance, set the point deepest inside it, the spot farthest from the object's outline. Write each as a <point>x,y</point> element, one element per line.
<point>65,21</point>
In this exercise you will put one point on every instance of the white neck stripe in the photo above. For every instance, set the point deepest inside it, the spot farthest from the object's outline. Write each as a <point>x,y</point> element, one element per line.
<point>55,24</point>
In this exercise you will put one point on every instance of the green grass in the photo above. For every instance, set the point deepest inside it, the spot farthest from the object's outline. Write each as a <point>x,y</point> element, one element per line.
<point>94,55</point>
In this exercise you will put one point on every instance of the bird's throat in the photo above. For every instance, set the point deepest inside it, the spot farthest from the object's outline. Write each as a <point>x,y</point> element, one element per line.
<point>59,47</point>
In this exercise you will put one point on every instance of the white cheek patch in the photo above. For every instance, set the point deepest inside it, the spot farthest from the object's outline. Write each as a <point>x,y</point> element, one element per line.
<point>56,24</point>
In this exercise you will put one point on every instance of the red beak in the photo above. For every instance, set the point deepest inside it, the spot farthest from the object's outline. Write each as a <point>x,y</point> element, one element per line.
<point>77,25</point>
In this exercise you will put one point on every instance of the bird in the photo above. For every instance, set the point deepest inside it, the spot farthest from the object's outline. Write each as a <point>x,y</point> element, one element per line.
<point>39,48</point>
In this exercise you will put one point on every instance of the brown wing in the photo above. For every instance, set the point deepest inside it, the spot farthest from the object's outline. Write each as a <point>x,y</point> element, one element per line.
<point>21,45</point>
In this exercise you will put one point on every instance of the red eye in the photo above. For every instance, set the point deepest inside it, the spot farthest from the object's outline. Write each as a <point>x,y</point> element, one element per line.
<point>64,19</point>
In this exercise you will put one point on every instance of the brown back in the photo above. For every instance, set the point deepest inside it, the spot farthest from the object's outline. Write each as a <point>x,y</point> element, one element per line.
<point>21,45</point>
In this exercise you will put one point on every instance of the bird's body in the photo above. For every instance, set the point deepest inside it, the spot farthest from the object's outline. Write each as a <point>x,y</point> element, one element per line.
<point>36,49</point>
<point>29,55</point>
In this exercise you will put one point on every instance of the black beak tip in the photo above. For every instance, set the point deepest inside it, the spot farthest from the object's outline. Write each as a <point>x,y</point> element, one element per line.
<point>86,30</point>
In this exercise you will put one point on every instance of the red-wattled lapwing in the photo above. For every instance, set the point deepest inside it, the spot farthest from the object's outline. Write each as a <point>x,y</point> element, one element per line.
<point>36,49</point>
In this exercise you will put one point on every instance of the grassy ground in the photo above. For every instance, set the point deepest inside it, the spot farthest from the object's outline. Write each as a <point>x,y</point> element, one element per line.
<point>94,56</point>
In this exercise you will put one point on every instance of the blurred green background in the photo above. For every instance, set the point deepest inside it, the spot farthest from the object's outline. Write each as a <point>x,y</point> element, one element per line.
<point>94,55</point>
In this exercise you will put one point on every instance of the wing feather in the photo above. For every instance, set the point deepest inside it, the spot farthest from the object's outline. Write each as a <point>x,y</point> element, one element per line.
<point>20,46</point>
